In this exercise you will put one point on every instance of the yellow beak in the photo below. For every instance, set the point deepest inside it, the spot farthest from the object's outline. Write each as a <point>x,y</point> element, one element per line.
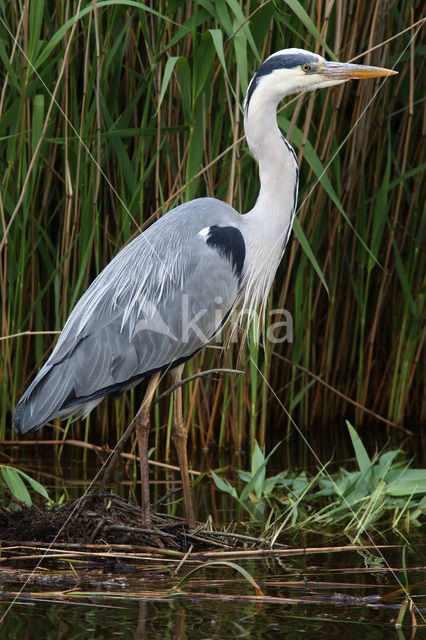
<point>344,70</point>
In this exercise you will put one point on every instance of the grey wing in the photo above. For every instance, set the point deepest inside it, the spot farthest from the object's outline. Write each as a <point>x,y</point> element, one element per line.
<point>158,333</point>
<point>154,306</point>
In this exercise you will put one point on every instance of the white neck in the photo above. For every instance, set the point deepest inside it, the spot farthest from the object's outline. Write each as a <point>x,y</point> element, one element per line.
<point>268,224</point>
<point>278,170</point>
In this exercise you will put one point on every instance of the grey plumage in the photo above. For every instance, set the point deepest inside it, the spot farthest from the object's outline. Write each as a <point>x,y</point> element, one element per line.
<point>131,320</point>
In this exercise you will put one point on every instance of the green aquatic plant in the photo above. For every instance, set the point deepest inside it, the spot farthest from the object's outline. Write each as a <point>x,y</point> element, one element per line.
<point>353,501</point>
<point>261,490</point>
<point>16,482</point>
<point>381,484</point>
<point>258,487</point>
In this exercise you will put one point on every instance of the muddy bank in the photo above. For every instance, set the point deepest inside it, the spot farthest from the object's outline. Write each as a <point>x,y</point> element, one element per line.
<point>98,519</point>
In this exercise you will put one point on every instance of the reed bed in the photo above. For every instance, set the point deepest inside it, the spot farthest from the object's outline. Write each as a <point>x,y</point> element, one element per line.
<point>112,113</point>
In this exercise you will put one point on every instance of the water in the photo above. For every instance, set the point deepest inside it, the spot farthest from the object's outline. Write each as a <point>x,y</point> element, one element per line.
<point>350,594</point>
<point>193,620</point>
<point>216,604</point>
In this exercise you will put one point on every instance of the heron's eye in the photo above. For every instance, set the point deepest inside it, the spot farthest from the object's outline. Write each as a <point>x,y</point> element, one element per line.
<point>306,67</point>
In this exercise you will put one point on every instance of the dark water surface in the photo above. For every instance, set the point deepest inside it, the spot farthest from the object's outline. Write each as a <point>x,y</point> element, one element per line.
<point>194,620</point>
<point>333,595</point>
<point>204,612</point>
<point>350,594</point>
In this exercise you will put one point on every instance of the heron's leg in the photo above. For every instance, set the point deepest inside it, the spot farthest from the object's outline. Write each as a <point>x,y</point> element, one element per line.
<point>180,437</point>
<point>143,425</point>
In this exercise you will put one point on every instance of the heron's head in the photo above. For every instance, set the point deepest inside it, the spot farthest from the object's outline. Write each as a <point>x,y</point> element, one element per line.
<point>296,70</point>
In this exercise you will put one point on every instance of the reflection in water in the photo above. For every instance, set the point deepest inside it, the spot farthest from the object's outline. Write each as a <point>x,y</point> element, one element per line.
<point>141,626</point>
<point>178,619</point>
<point>179,623</point>
<point>196,619</point>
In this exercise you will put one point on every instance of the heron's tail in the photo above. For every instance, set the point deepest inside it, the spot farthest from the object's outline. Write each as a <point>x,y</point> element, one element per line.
<point>50,395</point>
<point>42,401</point>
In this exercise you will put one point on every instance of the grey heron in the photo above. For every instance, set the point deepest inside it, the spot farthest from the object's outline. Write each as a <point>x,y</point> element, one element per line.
<point>169,291</point>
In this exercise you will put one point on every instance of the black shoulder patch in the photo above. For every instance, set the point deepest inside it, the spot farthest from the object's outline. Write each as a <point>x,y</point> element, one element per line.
<point>285,61</point>
<point>229,242</point>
